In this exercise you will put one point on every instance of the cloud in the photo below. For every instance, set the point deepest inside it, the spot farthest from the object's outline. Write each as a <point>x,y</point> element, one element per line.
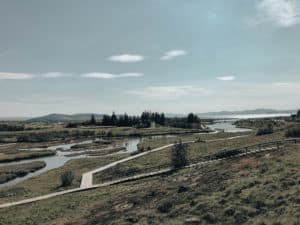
<point>54,75</point>
<point>281,84</point>
<point>284,13</point>
<point>126,58</point>
<point>168,92</point>
<point>173,54</point>
<point>288,85</point>
<point>226,78</point>
<point>15,76</point>
<point>111,76</point>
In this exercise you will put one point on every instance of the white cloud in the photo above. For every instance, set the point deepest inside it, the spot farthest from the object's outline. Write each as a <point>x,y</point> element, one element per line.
<point>287,85</point>
<point>15,76</point>
<point>281,84</point>
<point>54,75</point>
<point>168,92</point>
<point>111,76</point>
<point>126,58</point>
<point>173,54</point>
<point>284,13</point>
<point>226,78</point>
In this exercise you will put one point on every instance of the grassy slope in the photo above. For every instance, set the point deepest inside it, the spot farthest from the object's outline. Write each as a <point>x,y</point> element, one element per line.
<point>256,190</point>
<point>161,159</point>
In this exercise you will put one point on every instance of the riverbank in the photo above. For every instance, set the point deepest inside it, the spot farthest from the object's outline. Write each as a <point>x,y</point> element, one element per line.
<point>24,155</point>
<point>8,173</point>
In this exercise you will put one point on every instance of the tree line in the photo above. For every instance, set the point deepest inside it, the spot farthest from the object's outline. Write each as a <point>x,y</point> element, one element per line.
<point>143,121</point>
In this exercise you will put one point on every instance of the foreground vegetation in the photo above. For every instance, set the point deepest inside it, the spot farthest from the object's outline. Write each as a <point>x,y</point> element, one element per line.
<point>262,189</point>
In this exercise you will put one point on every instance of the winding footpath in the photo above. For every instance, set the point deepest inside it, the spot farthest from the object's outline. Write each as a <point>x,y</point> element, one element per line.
<point>87,178</point>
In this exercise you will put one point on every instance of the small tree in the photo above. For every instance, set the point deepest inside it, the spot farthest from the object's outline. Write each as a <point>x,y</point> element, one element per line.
<point>67,178</point>
<point>92,120</point>
<point>114,119</point>
<point>179,155</point>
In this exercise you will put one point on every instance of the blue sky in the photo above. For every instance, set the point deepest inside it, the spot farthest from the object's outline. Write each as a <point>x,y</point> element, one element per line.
<point>71,56</point>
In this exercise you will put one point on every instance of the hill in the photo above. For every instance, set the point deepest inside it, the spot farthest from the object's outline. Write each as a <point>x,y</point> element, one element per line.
<point>65,117</point>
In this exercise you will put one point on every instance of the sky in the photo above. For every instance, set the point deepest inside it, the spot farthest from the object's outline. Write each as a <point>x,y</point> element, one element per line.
<point>175,56</point>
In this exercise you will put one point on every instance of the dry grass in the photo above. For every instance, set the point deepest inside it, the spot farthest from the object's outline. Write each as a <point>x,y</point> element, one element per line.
<point>266,191</point>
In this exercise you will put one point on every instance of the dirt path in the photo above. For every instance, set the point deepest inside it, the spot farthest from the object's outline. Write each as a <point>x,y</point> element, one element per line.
<point>87,178</point>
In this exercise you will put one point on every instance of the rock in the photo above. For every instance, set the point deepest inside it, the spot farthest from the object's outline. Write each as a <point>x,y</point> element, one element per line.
<point>192,220</point>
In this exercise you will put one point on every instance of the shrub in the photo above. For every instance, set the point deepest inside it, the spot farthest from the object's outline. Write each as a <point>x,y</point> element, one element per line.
<point>225,153</point>
<point>165,207</point>
<point>72,125</point>
<point>67,178</point>
<point>11,127</point>
<point>179,155</point>
<point>293,132</point>
<point>209,217</point>
<point>265,130</point>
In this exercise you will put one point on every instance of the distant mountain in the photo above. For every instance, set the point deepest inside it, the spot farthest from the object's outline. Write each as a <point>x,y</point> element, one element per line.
<point>65,117</point>
<point>246,112</point>
<point>14,118</point>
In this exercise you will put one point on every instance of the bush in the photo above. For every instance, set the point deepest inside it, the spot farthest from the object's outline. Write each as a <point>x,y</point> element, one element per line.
<point>293,132</point>
<point>265,130</point>
<point>67,178</point>
<point>179,155</point>
<point>72,125</point>
<point>11,127</point>
<point>165,207</point>
<point>226,153</point>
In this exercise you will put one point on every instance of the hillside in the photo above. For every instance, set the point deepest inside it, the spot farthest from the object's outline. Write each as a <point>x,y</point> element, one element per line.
<point>65,117</point>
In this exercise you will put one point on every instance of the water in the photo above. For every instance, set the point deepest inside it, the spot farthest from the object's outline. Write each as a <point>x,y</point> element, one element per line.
<point>52,162</point>
<point>131,144</point>
<point>227,126</point>
<point>252,116</point>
